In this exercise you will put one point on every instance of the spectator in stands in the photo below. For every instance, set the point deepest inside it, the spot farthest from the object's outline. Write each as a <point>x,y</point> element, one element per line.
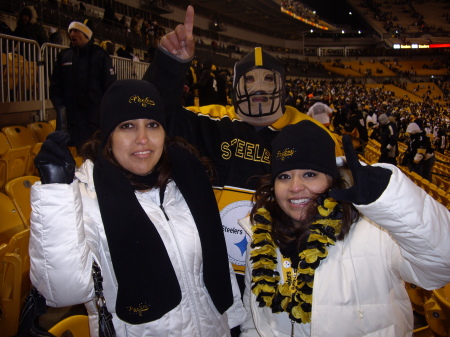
<point>419,156</point>
<point>109,46</point>
<point>207,84</point>
<point>320,111</point>
<point>28,27</point>
<point>142,207</point>
<point>109,15</point>
<point>316,262</point>
<point>222,79</point>
<point>356,127</point>
<point>55,36</point>
<point>81,75</point>
<point>135,24</point>
<point>125,52</point>
<point>371,121</point>
<point>235,138</point>
<point>4,28</point>
<point>440,142</point>
<point>388,140</point>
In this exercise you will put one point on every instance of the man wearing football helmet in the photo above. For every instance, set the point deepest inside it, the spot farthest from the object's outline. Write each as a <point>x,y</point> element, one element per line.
<point>235,138</point>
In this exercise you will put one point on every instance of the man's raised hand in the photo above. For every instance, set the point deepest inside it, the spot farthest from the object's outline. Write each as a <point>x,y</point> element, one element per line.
<point>180,42</point>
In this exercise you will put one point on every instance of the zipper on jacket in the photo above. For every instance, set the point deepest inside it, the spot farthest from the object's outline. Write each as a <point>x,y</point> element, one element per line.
<point>183,271</point>
<point>161,199</point>
<point>164,212</point>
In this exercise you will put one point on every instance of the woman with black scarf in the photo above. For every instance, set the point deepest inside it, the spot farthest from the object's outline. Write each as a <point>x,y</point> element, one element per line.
<point>142,207</point>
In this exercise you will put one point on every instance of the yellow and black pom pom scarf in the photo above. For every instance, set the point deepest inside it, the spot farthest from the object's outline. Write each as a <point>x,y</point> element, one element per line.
<point>265,277</point>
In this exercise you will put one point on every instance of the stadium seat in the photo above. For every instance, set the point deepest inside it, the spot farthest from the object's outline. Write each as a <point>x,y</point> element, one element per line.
<point>52,122</point>
<point>437,310</point>
<point>442,183</point>
<point>76,326</point>
<point>424,331</point>
<point>417,297</point>
<point>16,282</point>
<point>18,190</point>
<point>11,223</point>
<point>19,136</point>
<point>31,169</point>
<point>40,130</point>
<point>13,162</point>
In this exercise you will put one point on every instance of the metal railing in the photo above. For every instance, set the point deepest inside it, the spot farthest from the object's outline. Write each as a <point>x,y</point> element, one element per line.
<point>26,70</point>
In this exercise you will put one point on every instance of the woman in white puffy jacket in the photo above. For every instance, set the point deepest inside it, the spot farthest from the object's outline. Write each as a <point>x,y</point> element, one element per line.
<point>326,260</point>
<point>142,207</point>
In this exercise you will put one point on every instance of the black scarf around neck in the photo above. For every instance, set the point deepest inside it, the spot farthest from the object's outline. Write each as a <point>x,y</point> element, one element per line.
<point>147,285</point>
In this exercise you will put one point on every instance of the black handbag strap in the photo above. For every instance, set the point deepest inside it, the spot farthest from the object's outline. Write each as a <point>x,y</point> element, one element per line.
<point>106,326</point>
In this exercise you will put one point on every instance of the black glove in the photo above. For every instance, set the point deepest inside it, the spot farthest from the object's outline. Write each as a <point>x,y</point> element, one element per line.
<point>369,182</point>
<point>54,161</point>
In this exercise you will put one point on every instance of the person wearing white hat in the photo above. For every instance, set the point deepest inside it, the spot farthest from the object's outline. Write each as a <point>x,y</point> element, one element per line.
<point>419,156</point>
<point>81,75</point>
<point>80,34</point>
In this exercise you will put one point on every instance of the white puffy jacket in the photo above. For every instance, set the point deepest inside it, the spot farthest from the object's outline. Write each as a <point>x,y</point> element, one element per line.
<point>359,289</point>
<point>67,234</point>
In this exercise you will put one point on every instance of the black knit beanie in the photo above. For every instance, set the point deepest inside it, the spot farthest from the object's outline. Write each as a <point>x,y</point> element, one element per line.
<point>126,100</point>
<point>304,145</point>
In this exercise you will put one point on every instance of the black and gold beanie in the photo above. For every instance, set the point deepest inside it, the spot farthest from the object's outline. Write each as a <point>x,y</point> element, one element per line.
<point>129,99</point>
<point>306,146</point>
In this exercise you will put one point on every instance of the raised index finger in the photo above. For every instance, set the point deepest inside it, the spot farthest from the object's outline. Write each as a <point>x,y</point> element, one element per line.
<point>189,20</point>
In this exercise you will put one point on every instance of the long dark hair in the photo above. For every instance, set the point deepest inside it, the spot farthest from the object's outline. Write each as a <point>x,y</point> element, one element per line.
<point>284,233</point>
<point>89,151</point>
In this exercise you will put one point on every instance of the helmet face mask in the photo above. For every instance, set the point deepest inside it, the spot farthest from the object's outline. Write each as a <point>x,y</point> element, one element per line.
<point>258,88</point>
<point>259,94</point>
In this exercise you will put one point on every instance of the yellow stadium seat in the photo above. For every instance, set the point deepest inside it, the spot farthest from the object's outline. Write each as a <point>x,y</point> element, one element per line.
<point>18,190</point>
<point>31,168</point>
<point>11,222</point>
<point>423,332</point>
<point>16,282</point>
<point>52,122</point>
<point>417,297</point>
<point>443,183</point>
<point>19,136</point>
<point>437,310</point>
<point>76,326</point>
<point>40,130</point>
<point>13,162</point>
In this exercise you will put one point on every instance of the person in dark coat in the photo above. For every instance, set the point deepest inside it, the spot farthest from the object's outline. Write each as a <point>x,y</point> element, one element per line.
<point>80,77</point>
<point>388,140</point>
<point>28,27</point>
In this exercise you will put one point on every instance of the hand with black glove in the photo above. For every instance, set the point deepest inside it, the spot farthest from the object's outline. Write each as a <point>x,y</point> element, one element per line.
<point>54,161</point>
<point>369,181</point>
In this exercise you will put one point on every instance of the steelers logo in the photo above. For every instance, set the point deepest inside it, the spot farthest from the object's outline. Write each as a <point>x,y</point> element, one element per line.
<point>287,264</point>
<point>235,236</point>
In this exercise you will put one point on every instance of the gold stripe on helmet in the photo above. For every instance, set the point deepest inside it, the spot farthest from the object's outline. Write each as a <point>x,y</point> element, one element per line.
<point>258,56</point>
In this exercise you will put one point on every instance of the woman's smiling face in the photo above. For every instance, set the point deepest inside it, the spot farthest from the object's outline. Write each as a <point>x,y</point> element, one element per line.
<point>296,192</point>
<point>137,145</point>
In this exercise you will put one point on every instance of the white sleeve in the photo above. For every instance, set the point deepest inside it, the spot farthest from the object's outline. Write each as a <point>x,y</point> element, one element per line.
<point>248,328</point>
<point>61,262</point>
<point>236,313</point>
<point>419,224</point>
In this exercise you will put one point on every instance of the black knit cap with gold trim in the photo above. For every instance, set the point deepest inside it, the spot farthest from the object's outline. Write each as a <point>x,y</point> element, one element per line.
<point>126,100</point>
<point>304,145</point>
